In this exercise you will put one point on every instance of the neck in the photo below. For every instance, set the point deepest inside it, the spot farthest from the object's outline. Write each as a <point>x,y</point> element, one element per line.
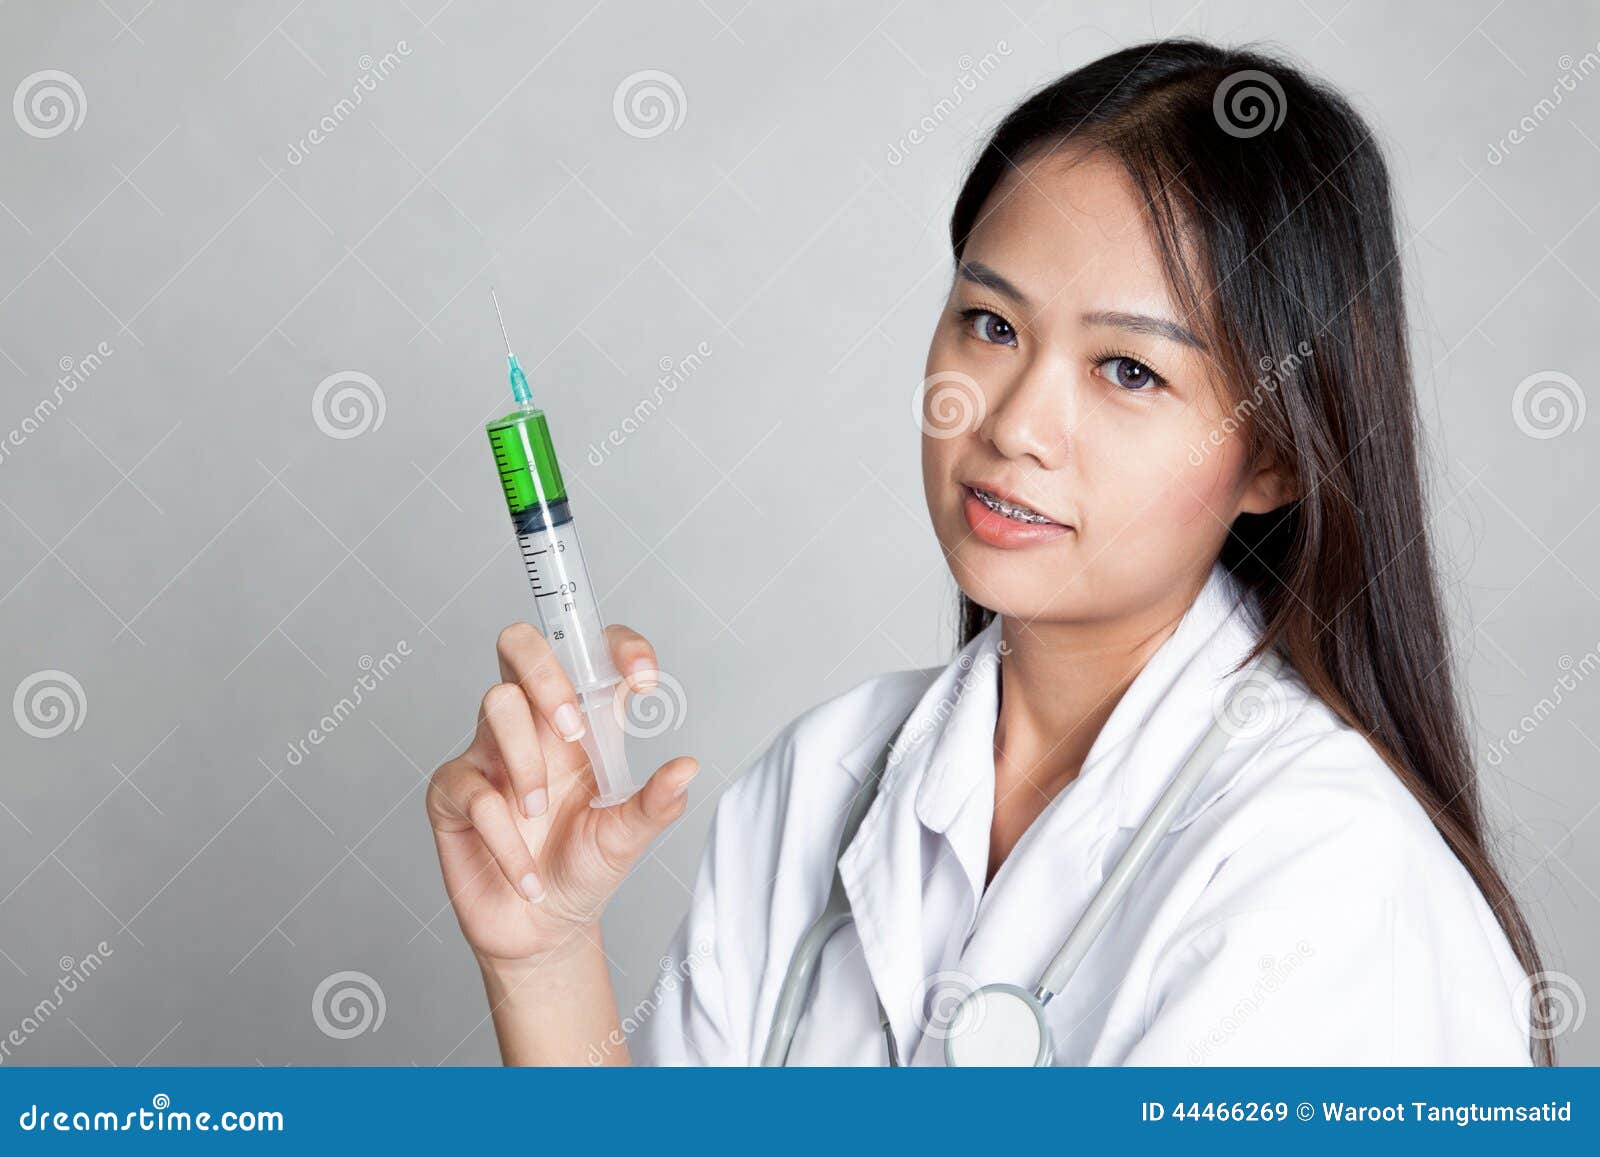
<point>1060,681</point>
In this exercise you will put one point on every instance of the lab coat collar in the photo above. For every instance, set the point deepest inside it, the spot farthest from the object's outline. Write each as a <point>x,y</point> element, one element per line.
<point>955,701</point>
<point>940,778</point>
<point>931,772</point>
<point>1173,702</point>
<point>935,743</point>
<point>944,749</point>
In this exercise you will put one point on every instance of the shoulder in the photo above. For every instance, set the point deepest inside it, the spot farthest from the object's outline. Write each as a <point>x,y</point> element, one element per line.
<point>1319,848</point>
<point>1318,790</point>
<point>1317,800</point>
<point>776,828</point>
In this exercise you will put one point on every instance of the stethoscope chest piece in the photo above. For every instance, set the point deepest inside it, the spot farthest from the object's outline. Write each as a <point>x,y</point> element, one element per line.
<point>998,1026</point>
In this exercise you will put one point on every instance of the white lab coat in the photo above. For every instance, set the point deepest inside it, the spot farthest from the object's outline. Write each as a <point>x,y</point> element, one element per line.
<point>1302,911</point>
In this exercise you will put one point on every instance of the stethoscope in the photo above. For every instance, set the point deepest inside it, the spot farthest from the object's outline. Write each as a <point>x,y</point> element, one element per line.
<point>1004,1024</point>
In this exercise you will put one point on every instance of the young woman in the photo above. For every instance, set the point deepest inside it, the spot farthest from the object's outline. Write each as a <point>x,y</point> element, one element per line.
<point>1169,438</point>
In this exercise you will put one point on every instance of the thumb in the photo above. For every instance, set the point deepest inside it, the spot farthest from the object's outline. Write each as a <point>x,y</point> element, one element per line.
<point>632,825</point>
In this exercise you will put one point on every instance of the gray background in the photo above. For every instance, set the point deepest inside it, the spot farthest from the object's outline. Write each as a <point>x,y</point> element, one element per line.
<point>182,538</point>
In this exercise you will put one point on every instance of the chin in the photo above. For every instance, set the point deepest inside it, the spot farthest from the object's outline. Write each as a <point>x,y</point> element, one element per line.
<point>1011,587</point>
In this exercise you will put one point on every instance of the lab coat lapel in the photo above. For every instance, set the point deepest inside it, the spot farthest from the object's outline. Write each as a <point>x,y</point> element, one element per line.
<point>1061,860</point>
<point>1177,697</point>
<point>900,863</point>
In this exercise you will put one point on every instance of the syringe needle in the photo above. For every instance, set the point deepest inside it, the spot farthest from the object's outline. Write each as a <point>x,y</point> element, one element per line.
<point>519,380</point>
<point>502,321</point>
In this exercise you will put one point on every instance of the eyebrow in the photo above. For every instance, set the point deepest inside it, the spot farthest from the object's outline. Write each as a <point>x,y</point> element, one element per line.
<point>1145,324</point>
<point>980,274</point>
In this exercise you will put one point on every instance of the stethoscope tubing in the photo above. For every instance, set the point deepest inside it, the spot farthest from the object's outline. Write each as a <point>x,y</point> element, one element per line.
<point>1142,848</point>
<point>801,973</point>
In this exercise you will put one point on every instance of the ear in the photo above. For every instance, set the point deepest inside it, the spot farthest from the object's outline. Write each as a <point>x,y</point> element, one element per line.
<point>1270,486</point>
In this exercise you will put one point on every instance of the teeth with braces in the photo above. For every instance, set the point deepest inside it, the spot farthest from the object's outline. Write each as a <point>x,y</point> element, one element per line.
<point>1009,509</point>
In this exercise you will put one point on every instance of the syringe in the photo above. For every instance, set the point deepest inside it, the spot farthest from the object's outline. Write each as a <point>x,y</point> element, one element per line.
<point>569,611</point>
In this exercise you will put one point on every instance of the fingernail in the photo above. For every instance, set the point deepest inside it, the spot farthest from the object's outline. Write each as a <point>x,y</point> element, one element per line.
<point>569,722</point>
<point>642,676</point>
<point>535,802</point>
<point>683,783</point>
<point>531,888</point>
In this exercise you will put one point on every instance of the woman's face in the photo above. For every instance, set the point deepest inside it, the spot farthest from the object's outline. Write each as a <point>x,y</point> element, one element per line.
<point>1063,380</point>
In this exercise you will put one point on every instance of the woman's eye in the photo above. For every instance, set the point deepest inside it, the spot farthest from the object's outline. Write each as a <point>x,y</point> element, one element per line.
<point>991,327</point>
<point>1128,374</point>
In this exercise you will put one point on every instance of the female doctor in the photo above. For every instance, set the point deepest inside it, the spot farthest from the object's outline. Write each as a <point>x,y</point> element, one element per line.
<point>1170,454</point>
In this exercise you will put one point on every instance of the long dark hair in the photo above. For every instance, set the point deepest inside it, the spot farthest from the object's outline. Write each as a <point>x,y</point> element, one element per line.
<point>1269,202</point>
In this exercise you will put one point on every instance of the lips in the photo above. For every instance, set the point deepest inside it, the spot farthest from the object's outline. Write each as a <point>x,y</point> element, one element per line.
<point>999,519</point>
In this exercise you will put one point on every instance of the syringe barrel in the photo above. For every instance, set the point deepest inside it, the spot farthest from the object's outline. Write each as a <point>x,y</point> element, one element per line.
<point>563,593</point>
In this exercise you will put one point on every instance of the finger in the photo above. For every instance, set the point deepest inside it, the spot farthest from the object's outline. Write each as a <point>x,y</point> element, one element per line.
<point>448,792</point>
<point>630,826</point>
<point>527,660</point>
<point>506,715</point>
<point>461,798</point>
<point>491,818</point>
<point>634,656</point>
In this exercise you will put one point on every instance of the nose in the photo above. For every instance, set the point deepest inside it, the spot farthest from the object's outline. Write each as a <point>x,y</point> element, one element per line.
<point>1031,414</point>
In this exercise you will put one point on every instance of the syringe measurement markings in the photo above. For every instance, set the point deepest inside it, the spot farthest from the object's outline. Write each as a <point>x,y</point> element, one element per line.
<point>528,557</point>
<point>536,579</point>
<point>508,475</point>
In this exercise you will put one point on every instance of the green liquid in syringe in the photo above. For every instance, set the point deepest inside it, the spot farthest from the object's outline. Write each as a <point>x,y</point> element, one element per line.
<point>529,472</point>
